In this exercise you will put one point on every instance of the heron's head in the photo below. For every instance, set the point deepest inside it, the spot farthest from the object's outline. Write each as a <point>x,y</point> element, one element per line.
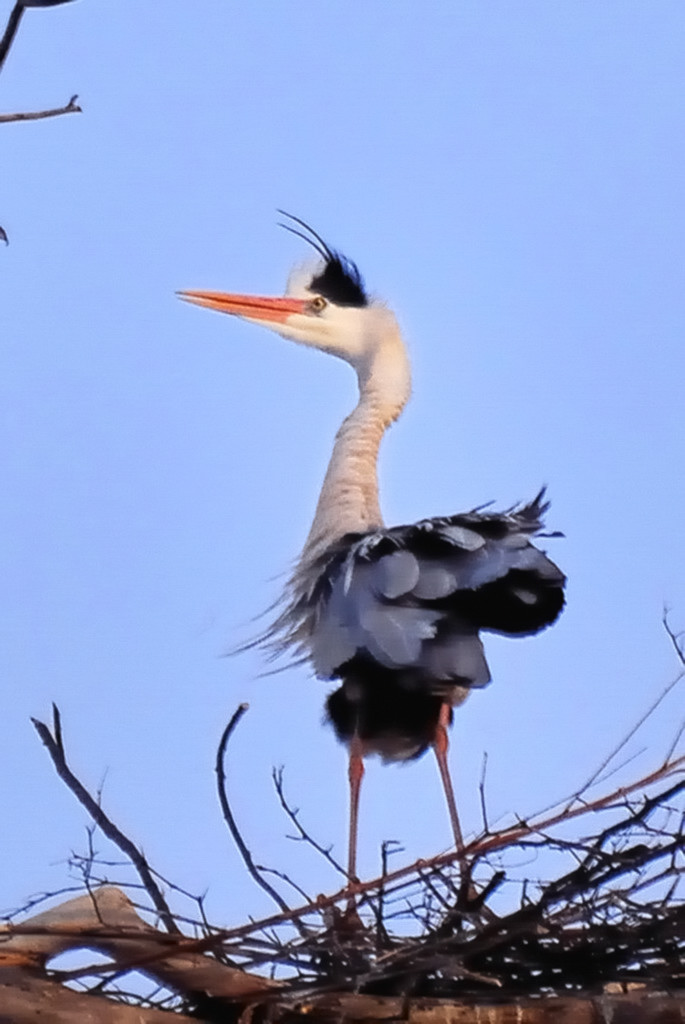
<point>325,306</point>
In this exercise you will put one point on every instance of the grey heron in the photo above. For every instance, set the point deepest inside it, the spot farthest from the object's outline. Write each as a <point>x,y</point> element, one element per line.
<point>392,613</point>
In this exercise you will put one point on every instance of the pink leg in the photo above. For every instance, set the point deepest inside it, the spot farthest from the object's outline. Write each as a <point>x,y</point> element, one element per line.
<point>440,746</point>
<point>356,774</point>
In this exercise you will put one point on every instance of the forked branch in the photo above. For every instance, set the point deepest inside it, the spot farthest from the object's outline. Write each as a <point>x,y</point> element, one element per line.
<point>6,41</point>
<point>53,742</point>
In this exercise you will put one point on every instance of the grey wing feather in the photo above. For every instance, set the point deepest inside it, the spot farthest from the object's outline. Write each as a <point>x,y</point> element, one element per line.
<point>434,582</point>
<point>414,598</point>
<point>363,616</point>
<point>396,574</point>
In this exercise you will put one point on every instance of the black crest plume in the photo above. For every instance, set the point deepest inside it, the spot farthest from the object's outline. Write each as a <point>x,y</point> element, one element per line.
<point>340,281</point>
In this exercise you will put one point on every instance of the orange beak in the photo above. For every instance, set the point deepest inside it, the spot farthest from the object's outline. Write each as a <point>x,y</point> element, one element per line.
<point>252,307</point>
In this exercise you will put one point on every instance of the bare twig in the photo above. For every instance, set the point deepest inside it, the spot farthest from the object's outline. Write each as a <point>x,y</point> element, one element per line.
<point>304,836</point>
<point>6,41</point>
<point>285,878</point>
<point>631,732</point>
<point>71,107</point>
<point>677,639</point>
<point>676,740</point>
<point>230,820</point>
<point>481,791</point>
<point>382,937</point>
<point>54,744</point>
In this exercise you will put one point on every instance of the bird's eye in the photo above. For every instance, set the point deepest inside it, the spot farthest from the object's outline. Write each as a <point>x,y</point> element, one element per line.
<point>318,304</point>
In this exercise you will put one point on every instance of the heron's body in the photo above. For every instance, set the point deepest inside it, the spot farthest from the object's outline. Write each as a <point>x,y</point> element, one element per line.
<point>394,614</point>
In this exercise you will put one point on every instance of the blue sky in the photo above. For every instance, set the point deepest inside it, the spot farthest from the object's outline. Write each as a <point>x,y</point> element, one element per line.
<point>509,177</point>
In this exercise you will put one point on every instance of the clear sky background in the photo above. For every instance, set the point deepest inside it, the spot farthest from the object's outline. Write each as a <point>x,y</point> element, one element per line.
<point>510,177</point>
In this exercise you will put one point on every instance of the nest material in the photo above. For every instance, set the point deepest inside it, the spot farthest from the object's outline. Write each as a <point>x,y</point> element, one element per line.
<point>566,908</point>
<point>609,917</point>
<point>613,911</point>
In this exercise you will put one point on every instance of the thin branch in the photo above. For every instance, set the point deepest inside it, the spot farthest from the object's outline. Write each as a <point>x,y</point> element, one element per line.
<point>631,732</point>
<point>230,820</point>
<point>15,19</point>
<point>54,744</point>
<point>71,107</point>
<point>675,638</point>
<point>481,790</point>
<point>676,740</point>
<point>382,937</point>
<point>284,878</point>
<point>304,836</point>
<point>10,31</point>
<point>8,37</point>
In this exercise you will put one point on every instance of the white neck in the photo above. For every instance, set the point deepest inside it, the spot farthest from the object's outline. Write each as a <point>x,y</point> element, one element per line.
<point>348,502</point>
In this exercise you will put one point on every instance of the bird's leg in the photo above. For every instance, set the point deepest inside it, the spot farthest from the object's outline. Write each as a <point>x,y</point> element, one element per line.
<point>440,746</point>
<point>356,774</point>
